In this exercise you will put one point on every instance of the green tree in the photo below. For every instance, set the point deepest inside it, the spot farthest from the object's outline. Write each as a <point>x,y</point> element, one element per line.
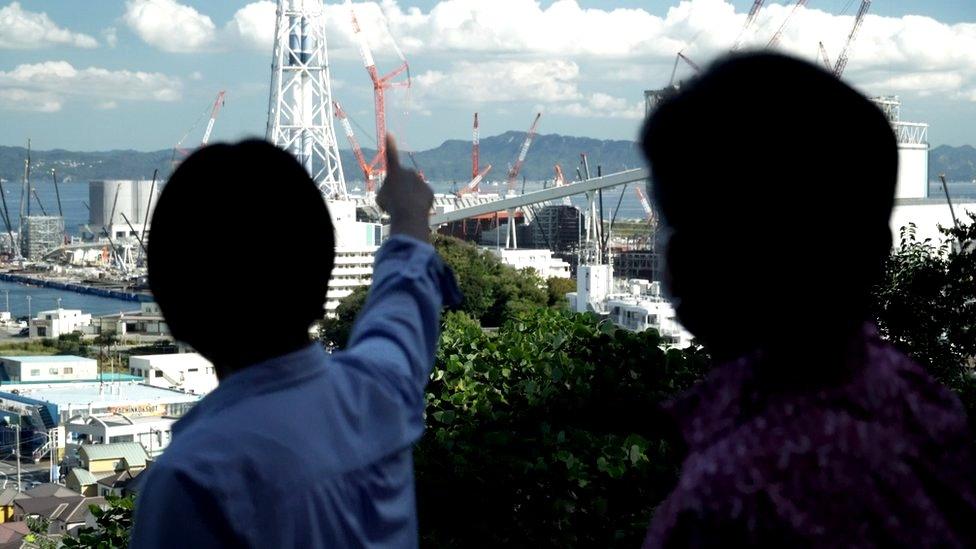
<point>545,432</point>
<point>334,332</point>
<point>557,288</point>
<point>113,526</point>
<point>926,305</point>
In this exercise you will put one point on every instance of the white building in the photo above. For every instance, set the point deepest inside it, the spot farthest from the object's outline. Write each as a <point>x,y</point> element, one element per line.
<point>913,204</point>
<point>114,202</point>
<point>153,432</point>
<point>39,369</point>
<point>545,264</point>
<point>56,322</point>
<point>187,372</point>
<point>356,243</point>
<point>148,320</point>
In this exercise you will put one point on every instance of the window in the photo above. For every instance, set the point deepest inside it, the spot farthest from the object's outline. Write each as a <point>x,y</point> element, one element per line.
<point>35,372</point>
<point>69,370</point>
<point>121,438</point>
<point>157,373</point>
<point>193,369</point>
<point>52,371</point>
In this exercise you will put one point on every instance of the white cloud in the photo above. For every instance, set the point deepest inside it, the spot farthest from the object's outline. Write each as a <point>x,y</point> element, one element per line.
<point>169,25</point>
<point>501,81</point>
<point>45,86</point>
<point>252,26</point>
<point>111,36</point>
<point>601,105</point>
<point>21,29</point>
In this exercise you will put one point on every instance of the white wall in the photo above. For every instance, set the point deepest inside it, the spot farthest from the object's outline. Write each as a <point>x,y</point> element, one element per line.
<point>186,371</point>
<point>913,171</point>
<point>76,368</point>
<point>927,215</point>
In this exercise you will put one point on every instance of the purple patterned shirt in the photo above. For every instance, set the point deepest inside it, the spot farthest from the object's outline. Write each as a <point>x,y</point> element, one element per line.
<point>882,459</point>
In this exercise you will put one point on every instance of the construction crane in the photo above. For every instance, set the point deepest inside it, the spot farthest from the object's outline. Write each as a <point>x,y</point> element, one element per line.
<point>472,186</point>
<point>779,32</point>
<point>753,12</point>
<point>560,181</point>
<point>858,20</point>
<point>523,151</point>
<point>825,58</point>
<point>380,85</point>
<point>357,151</point>
<point>475,148</point>
<point>682,57</point>
<point>218,103</point>
<point>645,204</point>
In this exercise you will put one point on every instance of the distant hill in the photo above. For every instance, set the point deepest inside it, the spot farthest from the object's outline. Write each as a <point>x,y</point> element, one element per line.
<point>957,163</point>
<point>449,161</point>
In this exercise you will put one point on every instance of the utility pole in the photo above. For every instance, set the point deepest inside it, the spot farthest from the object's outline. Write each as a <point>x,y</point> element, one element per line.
<point>17,445</point>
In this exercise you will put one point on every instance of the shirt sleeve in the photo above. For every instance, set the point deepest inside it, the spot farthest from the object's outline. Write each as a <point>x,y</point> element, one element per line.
<point>391,349</point>
<point>174,511</point>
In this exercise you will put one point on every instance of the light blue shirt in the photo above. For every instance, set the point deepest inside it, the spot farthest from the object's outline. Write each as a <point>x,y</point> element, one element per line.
<point>311,449</point>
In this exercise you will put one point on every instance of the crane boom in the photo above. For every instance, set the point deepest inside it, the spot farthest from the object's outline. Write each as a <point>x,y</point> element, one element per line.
<point>560,181</point>
<point>682,57</point>
<point>475,148</point>
<point>779,32</point>
<point>218,103</point>
<point>825,58</point>
<point>858,20</point>
<point>523,151</point>
<point>472,186</point>
<point>645,204</point>
<point>380,85</point>
<point>753,12</point>
<point>357,151</point>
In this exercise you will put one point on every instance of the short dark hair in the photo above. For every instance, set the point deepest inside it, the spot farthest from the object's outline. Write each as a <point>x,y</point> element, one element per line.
<point>789,172</point>
<point>240,235</point>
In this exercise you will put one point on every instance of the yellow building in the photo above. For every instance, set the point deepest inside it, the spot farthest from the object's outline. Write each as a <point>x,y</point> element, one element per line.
<point>103,459</point>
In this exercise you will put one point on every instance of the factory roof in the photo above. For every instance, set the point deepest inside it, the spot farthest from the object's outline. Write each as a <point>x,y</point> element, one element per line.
<point>46,358</point>
<point>98,395</point>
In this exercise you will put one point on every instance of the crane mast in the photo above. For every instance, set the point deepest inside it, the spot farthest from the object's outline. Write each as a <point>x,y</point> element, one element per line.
<point>380,85</point>
<point>779,32</point>
<point>218,103</point>
<point>858,20</point>
<point>825,58</point>
<point>475,148</point>
<point>753,12</point>
<point>523,151</point>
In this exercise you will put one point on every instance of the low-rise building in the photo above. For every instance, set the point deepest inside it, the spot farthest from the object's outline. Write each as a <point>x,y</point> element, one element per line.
<point>188,372</point>
<point>148,320</point>
<point>57,322</point>
<point>107,459</point>
<point>542,261</point>
<point>154,433</point>
<point>46,369</point>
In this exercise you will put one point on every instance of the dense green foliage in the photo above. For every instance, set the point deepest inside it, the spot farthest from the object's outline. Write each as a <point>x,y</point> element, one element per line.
<point>544,432</point>
<point>926,305</point>
<point>334,332</point>
<point>557,288</point>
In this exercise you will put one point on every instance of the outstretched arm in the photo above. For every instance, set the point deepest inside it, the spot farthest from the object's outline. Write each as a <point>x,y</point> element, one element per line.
<point>393,344</point>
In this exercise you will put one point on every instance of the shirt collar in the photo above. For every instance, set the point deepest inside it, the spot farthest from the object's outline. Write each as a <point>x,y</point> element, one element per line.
<point>256,379</point>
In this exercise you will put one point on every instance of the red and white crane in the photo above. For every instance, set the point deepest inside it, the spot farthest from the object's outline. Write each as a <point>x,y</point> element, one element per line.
<point>682,57</point>
<point>218,103</point>
<point>380,85</point>
<point>472,186</point>
<point>753,12</point>
<point>858,20</point>
<point>645,204</point>
<point>560,181</point>
<point>523,151</point>
<point>357,151</point>
<point>475,148</point>
<point>779,32</point>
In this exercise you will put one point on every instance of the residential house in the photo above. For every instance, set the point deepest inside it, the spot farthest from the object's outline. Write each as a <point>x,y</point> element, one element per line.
<point>101,459</point>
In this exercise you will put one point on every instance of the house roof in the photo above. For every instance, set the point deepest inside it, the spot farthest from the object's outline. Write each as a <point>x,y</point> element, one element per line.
<point>133,452</point>
<point>11,532</point>
<point>53,508</point>
<point>119,480</point>
<point>81,510</point>
<point>7,496</point>
<point>83,476</point>
<point>47,358</point>
<point>50,490</point>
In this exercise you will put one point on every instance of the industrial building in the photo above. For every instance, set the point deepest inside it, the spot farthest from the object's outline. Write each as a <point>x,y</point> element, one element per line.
<point>542,261</point>
<point>187,372</point>
<point>153,433</point>
<point>42,234</point>
<point>57,322</point>
<point>121,207</point>
<point>46,369</point>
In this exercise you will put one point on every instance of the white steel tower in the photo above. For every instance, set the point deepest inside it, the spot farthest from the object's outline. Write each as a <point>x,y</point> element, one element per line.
<point>300,103</point>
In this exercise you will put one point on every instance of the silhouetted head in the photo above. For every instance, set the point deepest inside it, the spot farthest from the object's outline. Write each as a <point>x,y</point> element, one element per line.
<point>240,252</point>
<point>775,182</point>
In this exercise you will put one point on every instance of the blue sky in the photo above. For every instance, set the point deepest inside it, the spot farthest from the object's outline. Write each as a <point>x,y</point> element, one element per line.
<point>137,74</point>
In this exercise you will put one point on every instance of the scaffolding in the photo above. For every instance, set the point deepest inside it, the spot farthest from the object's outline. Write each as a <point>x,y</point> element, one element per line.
<point>42,234</point>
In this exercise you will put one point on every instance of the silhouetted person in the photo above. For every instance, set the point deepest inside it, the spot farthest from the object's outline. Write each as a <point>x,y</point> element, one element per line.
<point>295,447</point>
<point>775,182</point>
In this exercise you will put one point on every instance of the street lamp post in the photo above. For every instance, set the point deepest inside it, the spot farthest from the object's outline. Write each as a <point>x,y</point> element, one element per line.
<point>28,316</point>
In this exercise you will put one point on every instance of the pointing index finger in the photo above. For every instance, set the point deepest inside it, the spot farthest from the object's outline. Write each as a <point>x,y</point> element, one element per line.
<point>392,155</point>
